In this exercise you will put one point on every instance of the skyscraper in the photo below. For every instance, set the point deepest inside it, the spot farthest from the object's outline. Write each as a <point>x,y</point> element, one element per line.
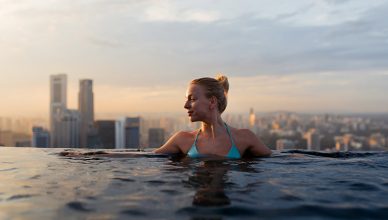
<point>155,137</point>
<point>40,137</point>
<point>128,132</point>
<point>106,133</point>
<point>68,128</point>
<point>86,109</point>
<point>58,103</point>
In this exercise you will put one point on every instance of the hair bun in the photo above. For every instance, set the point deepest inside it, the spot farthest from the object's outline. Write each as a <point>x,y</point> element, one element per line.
<point>223,81</point>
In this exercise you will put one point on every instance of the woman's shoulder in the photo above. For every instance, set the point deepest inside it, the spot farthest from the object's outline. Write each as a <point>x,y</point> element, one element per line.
<point>179,142</point>
<point>185,135</point>
<point>241,132</point>
<point>243,137</point>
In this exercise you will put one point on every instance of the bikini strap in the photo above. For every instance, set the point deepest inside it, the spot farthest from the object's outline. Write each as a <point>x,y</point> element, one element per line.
<point>229,133</point>
<point>196,137</point>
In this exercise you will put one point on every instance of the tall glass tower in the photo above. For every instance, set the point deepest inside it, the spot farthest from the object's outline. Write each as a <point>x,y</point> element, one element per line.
<point>86,109</point>
<point>127,131</point>
<point>58,104</point>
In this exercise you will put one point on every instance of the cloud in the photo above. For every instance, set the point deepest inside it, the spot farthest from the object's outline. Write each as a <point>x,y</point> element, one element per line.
<point>327,12</point>
<point>165,11</point>
<point>244,42</point>
<point>106,43</point>
<point>131,44</point>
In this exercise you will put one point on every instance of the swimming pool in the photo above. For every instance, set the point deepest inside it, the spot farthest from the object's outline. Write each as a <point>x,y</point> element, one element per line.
<point>40,184</point>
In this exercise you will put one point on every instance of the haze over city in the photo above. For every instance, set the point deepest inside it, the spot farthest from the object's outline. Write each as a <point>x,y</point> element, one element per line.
<point>305,56</point>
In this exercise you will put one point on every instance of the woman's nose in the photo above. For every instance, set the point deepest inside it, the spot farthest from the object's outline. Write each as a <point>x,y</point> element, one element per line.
<point>186,106</point>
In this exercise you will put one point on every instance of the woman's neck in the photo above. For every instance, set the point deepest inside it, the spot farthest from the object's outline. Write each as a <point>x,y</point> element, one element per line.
<point>213,127</point>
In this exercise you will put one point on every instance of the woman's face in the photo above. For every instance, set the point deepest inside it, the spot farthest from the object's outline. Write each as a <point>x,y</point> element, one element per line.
<point>197,104</point>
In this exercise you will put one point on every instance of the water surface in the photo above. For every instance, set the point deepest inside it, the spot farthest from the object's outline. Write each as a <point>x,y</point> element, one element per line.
<point>42,184</point>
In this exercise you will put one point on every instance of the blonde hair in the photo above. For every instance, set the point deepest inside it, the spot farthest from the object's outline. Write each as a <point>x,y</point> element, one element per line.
<point>217,87</point>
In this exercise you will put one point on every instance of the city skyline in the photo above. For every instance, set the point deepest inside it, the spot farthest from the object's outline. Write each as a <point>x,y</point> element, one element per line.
<point>308,56</point>
<point>77,128</point>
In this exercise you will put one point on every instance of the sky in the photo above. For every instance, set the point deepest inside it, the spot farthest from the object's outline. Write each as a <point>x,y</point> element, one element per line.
<point>304,56</point>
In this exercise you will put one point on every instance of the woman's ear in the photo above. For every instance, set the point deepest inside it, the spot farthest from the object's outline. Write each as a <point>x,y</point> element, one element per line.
<point>213,103</point>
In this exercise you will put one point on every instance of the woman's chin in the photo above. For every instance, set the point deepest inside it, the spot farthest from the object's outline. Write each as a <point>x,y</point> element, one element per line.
<point>193,119</point>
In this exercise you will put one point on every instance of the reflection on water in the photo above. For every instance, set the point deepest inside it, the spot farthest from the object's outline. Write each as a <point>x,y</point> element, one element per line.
<point>42,184</point>
<point>209,179</point>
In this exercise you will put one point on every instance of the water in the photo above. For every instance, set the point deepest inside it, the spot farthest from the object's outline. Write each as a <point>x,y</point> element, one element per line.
<point>41,184</point>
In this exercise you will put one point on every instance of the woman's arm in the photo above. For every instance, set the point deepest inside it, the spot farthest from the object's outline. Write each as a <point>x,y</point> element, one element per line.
<point>255,146</point>
<point>171,146</point>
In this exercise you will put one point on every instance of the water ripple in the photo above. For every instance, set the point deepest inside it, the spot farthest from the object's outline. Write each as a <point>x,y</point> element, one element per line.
<point>170,191</point>
<point>8,169</point>
<point>22,196</point>
<point>364,187</point>
<point>35,177</point>
<point>331,212</point>
<point>78,206</point>
<point>344,154</point>
<point>298,212</point>
<point>156,182</point>
<point>124,179</point>
<point>133,212</point>
<point>228,211</point>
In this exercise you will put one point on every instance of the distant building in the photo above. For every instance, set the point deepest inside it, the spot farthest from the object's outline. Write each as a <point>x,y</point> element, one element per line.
<point>58,104</point>
<point>6,138</point>
<point>252,118</point>
<point>93,139</point>
<point>275,125</point>
<point>341,143</point>
<point>313,140</point>
<point>21,140</point>
<point>155,137</point>
<point>40,137</point>
<point>23,143</point>
<point>68,129</point>
<point>377,140</point>
<point>128,132</point>
<point>106,133</point>
<point>284,144</point>
<point>86,109</point>
<point>347,139</point>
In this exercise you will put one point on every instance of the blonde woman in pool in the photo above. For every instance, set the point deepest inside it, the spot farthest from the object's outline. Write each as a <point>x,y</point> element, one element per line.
<point>206,101</point>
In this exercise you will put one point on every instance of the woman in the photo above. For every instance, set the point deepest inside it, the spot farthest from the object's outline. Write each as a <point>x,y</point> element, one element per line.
<point>206,101</point>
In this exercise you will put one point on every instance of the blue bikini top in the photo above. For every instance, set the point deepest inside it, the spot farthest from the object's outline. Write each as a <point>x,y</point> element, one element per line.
<point>232,154</point>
